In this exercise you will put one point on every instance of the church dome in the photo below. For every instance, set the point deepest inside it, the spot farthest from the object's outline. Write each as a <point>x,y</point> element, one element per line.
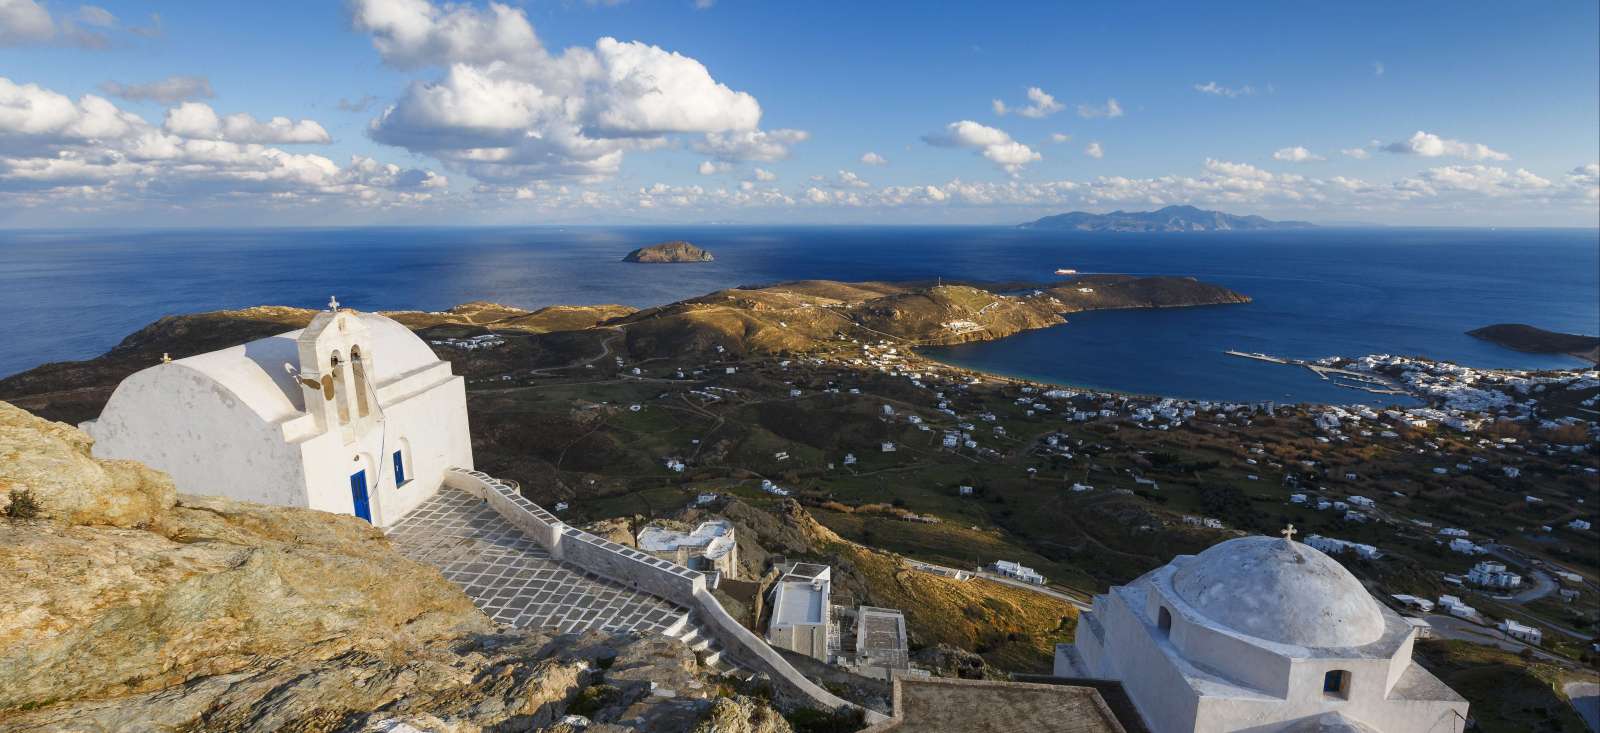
<point>1280,591</point>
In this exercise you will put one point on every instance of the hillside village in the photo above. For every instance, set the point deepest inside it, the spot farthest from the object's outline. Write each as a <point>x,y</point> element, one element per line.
<point>876,514</point>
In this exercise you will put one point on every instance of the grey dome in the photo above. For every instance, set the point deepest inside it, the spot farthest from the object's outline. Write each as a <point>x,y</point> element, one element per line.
<point>1280,591</point>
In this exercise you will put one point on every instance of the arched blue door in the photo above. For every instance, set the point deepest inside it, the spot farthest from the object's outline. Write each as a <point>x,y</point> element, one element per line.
<point>358,494</point>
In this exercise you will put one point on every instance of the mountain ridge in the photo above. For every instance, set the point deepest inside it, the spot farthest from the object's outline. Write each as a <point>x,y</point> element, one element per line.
<point>1166,219</point>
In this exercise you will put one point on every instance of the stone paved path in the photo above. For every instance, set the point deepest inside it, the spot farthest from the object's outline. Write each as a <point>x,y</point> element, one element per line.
<point>514,580</point>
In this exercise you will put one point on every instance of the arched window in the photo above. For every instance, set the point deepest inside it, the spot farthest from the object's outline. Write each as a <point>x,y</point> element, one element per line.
<point>1336,684</point>
<point>1164,621</point>
<point>358,369</point>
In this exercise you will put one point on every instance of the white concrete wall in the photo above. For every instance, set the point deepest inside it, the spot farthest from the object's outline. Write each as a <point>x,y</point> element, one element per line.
<point>1136,654</point>
<point>182,421</point>
<point>648,573</point>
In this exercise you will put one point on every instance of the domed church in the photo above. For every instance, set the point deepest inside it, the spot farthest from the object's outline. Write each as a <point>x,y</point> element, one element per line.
<point>353,414</point>
<point>1259,634</point>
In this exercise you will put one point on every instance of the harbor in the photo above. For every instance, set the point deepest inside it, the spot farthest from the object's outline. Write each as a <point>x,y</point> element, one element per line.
<point>1346,378</point>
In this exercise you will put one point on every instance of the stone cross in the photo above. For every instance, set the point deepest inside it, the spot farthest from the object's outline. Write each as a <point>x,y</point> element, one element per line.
<point>1288,533</point>
<point>166,358</point>
<point>333,303</point>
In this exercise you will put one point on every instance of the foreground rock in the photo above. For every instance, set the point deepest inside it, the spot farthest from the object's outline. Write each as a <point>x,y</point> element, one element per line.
<point>668,252</point>
<point>130,608</point>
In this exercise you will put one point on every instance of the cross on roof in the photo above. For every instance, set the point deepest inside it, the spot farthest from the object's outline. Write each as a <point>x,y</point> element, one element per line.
<point>333,303</point>
<point>1288,532</point>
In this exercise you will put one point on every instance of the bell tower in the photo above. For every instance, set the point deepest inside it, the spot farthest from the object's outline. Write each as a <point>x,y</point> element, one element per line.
<point>335,368</point>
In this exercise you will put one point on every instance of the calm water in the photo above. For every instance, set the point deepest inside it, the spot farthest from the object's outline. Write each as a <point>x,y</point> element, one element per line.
<point>74,294</point>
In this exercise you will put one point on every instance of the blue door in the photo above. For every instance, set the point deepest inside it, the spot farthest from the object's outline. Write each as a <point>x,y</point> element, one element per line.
<point>358,494</point>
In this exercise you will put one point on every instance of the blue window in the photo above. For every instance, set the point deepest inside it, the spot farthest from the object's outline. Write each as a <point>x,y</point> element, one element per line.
<point>399,469</point>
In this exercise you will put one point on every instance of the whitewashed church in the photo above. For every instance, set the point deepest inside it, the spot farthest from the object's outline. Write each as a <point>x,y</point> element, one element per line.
<point>1259,634</point>
<point>354,414</point>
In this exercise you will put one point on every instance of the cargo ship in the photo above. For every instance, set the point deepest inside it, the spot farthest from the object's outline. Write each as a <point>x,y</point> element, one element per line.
<point>1065,271</point>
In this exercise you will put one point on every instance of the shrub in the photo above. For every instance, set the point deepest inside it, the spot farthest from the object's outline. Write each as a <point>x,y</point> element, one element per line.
<point>23,505</point>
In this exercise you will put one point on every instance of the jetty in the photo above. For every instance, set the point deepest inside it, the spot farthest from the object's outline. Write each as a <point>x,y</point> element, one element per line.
<point>1363,381</point>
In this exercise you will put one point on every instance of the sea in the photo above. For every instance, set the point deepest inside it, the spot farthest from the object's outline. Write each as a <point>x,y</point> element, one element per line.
<point>73,294</point>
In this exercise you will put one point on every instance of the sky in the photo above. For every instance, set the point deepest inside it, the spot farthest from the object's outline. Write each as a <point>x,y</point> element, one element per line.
<point>322,112</point>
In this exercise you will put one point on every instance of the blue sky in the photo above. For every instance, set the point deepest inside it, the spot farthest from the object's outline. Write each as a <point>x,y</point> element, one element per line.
<point>406,111</point>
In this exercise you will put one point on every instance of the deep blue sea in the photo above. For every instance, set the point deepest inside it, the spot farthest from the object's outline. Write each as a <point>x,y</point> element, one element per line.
<point>74,294</point>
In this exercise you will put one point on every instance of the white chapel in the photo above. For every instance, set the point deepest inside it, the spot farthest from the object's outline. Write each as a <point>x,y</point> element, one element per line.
<point>1259,634</point>
<point>353,414</point>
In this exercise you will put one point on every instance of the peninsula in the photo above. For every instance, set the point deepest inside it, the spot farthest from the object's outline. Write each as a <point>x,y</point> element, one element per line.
<point>1169,219</point>
<point>1534,340</point>
<point>669,252</point>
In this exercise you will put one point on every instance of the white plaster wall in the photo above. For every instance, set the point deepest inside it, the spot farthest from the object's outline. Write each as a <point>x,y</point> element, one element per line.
<point>1223,715</point>
<point>212,443</point>
<point>434,424</point>
<point>1134,655</point>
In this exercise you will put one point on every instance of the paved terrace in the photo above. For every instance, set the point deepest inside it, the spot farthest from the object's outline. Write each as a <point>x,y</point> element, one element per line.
<point>514,580</point>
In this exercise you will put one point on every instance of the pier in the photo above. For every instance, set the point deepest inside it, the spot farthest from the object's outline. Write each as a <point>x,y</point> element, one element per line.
<point>1363,381</point>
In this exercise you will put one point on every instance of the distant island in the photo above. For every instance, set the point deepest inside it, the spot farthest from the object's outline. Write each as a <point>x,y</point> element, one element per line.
<point>1534,340</point>
<point>1169,219</point>
<point>665,252</point>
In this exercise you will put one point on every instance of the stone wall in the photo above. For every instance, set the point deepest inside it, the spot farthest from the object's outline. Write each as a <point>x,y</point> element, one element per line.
<point>650,574</point>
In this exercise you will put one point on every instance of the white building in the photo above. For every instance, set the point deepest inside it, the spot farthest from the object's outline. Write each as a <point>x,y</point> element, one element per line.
<point>801,607</point>
<point>1488,574</point>
<point>1519,631</point>
<point>711,547</point>
<point>1016,571</point>
<point>1333,546</point>
<point>353,414</point>
<point>1259,634</point>
<point>1466,547</point>
<point>1578,524</point>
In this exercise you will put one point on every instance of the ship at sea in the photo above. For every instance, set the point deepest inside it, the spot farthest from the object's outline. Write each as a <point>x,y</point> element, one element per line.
<point>1065,271</point>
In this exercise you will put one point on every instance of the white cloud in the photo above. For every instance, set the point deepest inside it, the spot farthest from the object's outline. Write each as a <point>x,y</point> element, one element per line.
<point>848,179</point>
<point>1040,104</point>
<point>1429,145</point>
<point>991,143</point>
<point>1060,137</point>
<point>506,109</point>
<point>765,176</point>
<point>711,167</point>
<point>1109,109</point>
<point>874,159</point>
<point>54,148</point>
<point>27,22</point>
<point>1214,88</point>
<point>197,120</point>
<point>1094,150</point>
<point>763,145</point>
<point>1357,153</point>
<point>23,22</point>
<point>170,90</point>
<point>1296,154</point>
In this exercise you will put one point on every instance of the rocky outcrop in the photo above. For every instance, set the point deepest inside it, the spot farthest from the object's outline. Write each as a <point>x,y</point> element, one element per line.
<point>128,608</point>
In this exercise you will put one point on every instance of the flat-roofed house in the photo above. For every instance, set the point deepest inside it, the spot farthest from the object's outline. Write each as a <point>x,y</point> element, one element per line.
<point>801,608</point>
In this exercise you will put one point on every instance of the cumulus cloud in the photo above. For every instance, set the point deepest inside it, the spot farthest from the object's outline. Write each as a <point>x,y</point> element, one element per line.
<point>1216,89</point>
<point>196,120</point>
<point>1109,109</point>
<point>23,22</point>
<point>991,143</point>
<point>506,109</point>
<point>1296,154</point>
<point>1357,153</point>
<point>170,90</point>
<point>874,159</point>
<point>848,179</point>
<point>712,167</point>
<point>1429,145</point>
<point>1094,150</point>
<point>54,147</point>
<point>765,176</point>
<point>1040,104</point>
<point>1060,137</point>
